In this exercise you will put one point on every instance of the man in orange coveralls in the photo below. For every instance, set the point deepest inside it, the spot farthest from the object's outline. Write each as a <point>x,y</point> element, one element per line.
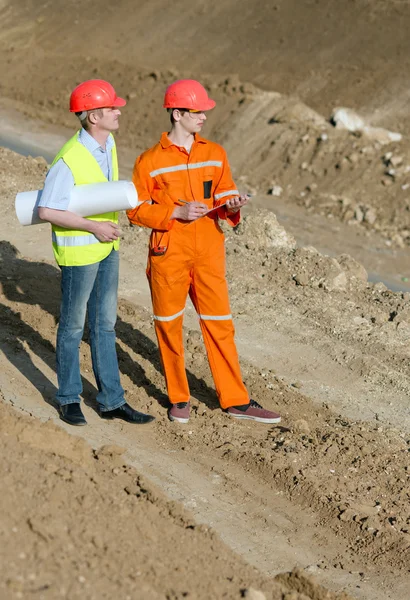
<point>181,180</point>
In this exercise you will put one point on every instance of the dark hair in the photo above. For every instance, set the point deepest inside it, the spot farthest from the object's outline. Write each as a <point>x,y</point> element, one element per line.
<point>171,113</point>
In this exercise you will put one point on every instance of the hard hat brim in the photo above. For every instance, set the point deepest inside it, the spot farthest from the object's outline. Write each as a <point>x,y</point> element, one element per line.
<point>209,105</point>
<point>119,102</point>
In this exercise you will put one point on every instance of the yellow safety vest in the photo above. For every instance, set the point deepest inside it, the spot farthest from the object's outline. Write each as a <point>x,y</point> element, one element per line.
<point>72,247</point>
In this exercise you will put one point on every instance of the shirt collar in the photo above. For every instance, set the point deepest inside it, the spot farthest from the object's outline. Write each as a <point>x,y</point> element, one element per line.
<point>166,142</point>
<point>91,143</point>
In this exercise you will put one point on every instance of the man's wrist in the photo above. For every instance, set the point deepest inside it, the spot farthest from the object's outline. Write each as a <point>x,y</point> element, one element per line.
<point>92,226</point>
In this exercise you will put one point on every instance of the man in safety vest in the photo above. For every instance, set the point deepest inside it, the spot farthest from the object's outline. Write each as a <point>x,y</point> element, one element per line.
<point>86,249</point>
<point>181,182</point>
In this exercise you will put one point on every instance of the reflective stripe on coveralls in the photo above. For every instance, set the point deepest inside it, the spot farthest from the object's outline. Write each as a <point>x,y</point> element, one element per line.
<point>200,165</point>
<point>225,194</point>
<point>203,317</point>
<point>76,247</point>
<point>171,318</point>
<point>194,261</point>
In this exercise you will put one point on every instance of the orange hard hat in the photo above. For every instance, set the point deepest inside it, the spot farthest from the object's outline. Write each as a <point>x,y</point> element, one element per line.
<point>94,93</point>
<point>187,93</point>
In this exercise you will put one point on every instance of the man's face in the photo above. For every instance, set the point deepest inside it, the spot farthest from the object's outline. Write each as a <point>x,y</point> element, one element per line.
<point>192,121</point>
<point>107,118</point>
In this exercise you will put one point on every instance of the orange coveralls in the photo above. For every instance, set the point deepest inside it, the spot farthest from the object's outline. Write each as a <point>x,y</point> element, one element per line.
<point>194,260</point>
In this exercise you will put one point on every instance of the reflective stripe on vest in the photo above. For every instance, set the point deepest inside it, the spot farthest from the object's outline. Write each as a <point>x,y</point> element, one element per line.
<point>76,247</point>
<point>74,240</point>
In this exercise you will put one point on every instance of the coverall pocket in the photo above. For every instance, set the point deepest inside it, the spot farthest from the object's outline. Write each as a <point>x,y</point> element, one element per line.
<point>207,189</point>
<point>166,270</point>
<point>159,243</point>
<point>170,181</point>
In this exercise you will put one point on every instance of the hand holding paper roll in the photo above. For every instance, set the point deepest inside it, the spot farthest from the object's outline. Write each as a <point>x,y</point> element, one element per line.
<point>85,200</point>
<point>106,231</point>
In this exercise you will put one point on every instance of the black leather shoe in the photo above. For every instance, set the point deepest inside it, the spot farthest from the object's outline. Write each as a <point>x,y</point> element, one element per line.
<point>72,413</point>
<point>127,413</point>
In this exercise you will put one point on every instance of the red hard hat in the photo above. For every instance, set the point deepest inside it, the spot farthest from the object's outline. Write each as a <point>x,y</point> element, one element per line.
<point>187,93</point>
<point>94,93</point>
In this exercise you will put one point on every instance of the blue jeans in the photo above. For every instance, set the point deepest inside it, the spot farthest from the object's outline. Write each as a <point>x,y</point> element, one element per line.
<point>93,287</point>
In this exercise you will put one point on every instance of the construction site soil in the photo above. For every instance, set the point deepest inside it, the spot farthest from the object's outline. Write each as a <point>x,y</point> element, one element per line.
<point>317,507</point>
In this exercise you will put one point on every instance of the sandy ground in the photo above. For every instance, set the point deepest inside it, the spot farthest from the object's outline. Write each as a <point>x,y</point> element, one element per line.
<point>217,509</point>
<point>327,490</point>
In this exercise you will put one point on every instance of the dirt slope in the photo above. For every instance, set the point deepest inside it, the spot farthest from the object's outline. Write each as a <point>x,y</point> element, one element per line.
<point>309,57</point>
<point>342,452</point>
<point>325,51</point>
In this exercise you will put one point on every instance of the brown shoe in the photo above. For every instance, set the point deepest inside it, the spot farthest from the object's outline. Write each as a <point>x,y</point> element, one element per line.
<point>179,412</point>
<point>253,411</point>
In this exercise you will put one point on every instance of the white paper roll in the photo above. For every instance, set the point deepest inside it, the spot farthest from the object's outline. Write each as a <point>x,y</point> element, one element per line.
<point>85,200</point>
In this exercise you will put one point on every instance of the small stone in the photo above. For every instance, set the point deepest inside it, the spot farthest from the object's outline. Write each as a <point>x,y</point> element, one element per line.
<point>301,426</point>
<point>360,321</point>
<point>370,216</point>
<point>110,450</point>
<point>353,158</point>
<point>198,358</point>
<point>404,328</point>
<point>395,161</point>
<point>337,283</point>
<point>276,190</point>
<point>398,240</point>
<point>380,318</point>
<point>347,515</point>
<point>312,568</point>
<point>351,267</point>
<point>252,594</point>
<point>348,215</point>
<point>301,279</point>
<point>358,214</point>
<point>346,118</point>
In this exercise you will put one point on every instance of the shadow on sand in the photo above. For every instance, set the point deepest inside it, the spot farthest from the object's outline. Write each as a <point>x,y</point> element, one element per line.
<point>38,284</point>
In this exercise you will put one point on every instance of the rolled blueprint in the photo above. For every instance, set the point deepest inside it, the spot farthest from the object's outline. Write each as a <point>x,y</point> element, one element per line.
<point>85,200</point>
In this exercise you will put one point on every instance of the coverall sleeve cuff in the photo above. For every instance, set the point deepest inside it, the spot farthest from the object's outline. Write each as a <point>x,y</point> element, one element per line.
<point>152,216</point>
<point>233,219</point>
<point>171,222</point>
